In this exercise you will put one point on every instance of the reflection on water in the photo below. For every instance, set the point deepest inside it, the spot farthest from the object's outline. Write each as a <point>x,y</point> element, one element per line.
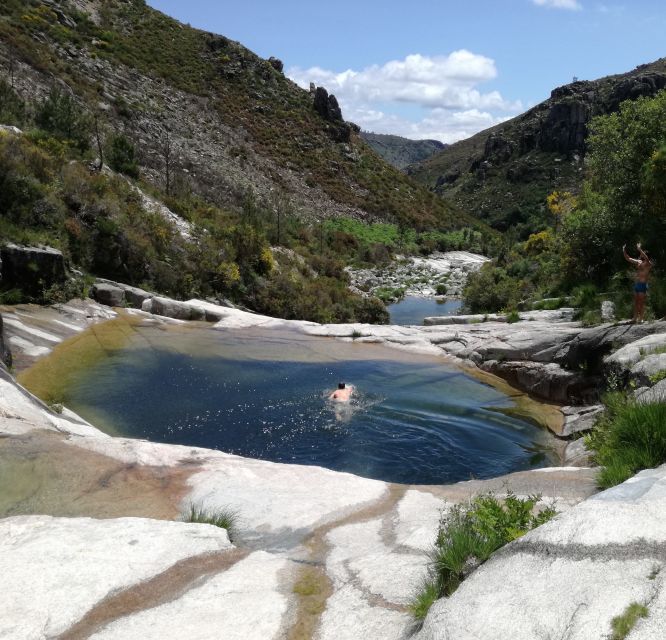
<point>265,395</point>
<point>413,309</point>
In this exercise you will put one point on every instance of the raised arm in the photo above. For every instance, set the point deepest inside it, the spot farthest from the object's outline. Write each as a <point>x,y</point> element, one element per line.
<point>643,254</point>
<point>627,257</point>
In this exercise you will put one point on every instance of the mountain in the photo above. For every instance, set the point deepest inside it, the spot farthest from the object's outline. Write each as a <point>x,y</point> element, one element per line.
<point>228,122</point>
<point>401,152</point>
<point>503,174</point>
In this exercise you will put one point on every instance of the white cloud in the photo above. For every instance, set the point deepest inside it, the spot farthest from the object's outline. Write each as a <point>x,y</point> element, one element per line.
<point>443,88</point>
<point>571,5</point>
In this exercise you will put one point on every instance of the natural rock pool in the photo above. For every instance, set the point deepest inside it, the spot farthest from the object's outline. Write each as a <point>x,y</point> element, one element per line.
<point>262,394</point>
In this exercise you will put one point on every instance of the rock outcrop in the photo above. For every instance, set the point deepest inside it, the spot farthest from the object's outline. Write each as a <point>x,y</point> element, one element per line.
<point>325,553</point>
<point>420,276</point>
<point>513,166</point>
<point>31,269</point>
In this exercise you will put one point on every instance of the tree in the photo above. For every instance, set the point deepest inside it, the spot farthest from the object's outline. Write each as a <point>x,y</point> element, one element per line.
<point>12,108</point>
<point>60,115</point>
<point>620,202</point>
<point>166,150</point>
<point>122,156</point>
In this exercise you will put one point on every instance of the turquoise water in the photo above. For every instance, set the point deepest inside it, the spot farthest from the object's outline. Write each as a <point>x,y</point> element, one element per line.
<point>413,309</point>
<point>412,420</point>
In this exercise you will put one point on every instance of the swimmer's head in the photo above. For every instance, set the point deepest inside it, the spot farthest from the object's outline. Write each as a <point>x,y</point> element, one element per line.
<point>341,385</point>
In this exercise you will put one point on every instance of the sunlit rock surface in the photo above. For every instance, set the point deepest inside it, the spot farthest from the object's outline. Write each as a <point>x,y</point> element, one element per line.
<point>317,553</point>
<point>572,576</point>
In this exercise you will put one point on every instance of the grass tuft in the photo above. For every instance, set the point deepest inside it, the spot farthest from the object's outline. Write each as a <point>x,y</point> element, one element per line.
<point>468,535</point>
<point>623,624</point>
<point>223,517</point>
<point>630,436</point>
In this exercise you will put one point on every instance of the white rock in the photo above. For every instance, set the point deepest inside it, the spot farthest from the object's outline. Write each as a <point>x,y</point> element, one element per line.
<point>360,555</point>
<point>418,520</point>
<point>351,615</point>
<point>241,603</point>
<point>632,353</point>
<point>55,569</point>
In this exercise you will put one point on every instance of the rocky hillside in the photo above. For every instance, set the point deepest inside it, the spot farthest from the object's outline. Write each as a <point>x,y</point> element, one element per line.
<point>401,152</point>
<point>225,121</point>
<point>502,175</point>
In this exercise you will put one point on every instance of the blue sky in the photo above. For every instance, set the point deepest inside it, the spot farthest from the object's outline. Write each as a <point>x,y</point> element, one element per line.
<point>443,69</point>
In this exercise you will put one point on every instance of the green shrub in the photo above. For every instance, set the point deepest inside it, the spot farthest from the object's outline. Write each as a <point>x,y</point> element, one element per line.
<point>12,108</point>
<point>512,316</point>
<point>441,289</point>
<point>585,297</point>
<point>121,156</point>
<point>468,535</point>
<point>591,318</point>
<point>60,115</point>
<point>490,289</point>
<point>629,437</point>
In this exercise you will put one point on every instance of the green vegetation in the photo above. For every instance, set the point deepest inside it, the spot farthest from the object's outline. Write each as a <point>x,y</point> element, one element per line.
<point>623,624</point>
<point>224,518</point>
<point>49,196</point>
<point>248,92</point>
<point>621,202</point>
<point>376,242</point>
<point>512,316</point>
<point>121,156</point>
<point>629,437</point>
<point>12,108</point>
<point>468,536</point>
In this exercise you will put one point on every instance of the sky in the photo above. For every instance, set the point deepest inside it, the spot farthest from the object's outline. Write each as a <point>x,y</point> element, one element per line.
<point>440,69</point>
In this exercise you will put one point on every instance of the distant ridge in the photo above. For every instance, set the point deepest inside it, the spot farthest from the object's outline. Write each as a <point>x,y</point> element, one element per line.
<point>503,174</point>
<point>401,152</point>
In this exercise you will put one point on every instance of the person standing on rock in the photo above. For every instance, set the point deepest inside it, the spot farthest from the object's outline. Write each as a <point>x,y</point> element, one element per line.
<point>643,267</point>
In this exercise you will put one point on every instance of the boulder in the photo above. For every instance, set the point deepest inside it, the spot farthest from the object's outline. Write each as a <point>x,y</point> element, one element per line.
<point>108,294</point>
<point>578,419</point>
<point>652,394</point>
<point>591,346</point>
<point>633,353</point>
<point>570,577</point>
<point>607,311</point>
<point>173,309</point>
<point>134,296</point>
<point>31,269</point>
<point>547,380</point>
<point>649,366</point>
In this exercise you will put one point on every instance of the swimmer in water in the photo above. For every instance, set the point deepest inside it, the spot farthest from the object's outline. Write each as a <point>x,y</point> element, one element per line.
<point>342,393</point>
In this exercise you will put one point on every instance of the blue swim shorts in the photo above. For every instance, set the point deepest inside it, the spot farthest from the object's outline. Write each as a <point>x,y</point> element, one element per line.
<point>640,287</point>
